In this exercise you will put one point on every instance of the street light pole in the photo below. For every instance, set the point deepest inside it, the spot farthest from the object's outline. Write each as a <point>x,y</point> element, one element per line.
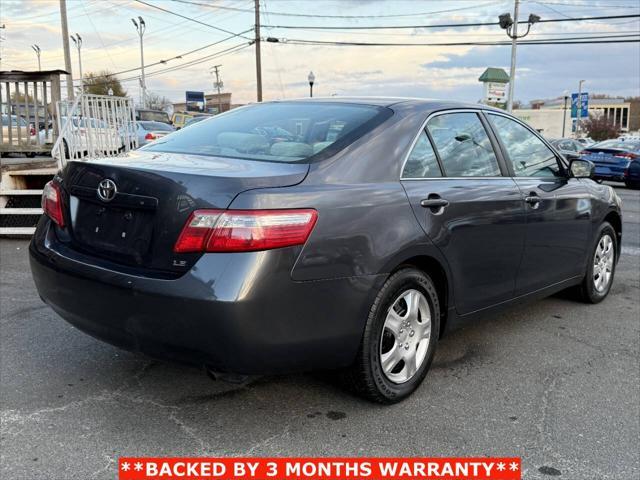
<point>36,49</point>
<point>579,108</point>
<point>511,27</point>
<point>312,79</point>
<point>564,112</point>
<point>141,27</point>
<point>78,42</point>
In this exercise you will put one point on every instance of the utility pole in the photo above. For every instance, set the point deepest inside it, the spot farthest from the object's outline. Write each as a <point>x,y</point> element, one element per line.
<point>67,50</point>
<point>564,112</point>
<point>514,45</point>
<point>141,27</point>
<point>218,86</point>
<point>579,108</point>
<point>511,26</point>
<point>78,41</point>
<point>258,60</point>
<point>36,49</point>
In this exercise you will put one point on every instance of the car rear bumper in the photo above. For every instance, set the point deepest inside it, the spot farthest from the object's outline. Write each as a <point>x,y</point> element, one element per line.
<point>239,313</point>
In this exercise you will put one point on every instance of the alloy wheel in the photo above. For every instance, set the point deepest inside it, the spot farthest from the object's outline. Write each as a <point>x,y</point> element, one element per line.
<point>603,263</point>
<point>405,336</point>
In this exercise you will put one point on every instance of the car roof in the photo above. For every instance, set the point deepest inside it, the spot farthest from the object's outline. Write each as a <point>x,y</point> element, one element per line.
<point>427,103</point>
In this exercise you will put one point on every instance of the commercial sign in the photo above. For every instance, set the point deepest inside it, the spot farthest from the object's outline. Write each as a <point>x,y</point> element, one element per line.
<point>584,105</point>
<point>195,101</point>
<point>495,92</point>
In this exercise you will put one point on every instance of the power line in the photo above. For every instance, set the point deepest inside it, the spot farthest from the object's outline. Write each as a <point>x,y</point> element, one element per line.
<point>550,41</point>
<point>177,57</point>
<point>446,25</point>
<point>307,15</point>
<point>192,19</point>
<point>196,61</point>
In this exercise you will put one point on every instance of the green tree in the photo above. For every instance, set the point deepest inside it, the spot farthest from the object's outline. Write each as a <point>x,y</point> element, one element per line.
<point>99,83</point>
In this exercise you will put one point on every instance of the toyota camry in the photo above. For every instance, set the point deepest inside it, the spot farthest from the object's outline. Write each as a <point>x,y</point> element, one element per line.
<point>338,234</point>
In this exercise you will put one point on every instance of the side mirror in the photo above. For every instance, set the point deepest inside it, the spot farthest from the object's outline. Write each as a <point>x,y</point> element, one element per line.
<point>582,168</point>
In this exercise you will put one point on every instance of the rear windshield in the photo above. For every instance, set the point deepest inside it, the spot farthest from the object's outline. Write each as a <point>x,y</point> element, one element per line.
<point>156,126</point>
<point>618,144</point>
<point>276,132</point>
<point>153,116</point>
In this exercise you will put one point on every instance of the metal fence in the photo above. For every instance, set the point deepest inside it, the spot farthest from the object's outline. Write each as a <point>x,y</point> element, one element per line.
<point>94,126</point>
<point>27,100</point>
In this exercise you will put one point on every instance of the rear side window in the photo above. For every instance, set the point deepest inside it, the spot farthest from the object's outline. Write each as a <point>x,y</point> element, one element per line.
<point>276,132</point>
<point>528,154</point>
<point>463,145</point>
<point>422,161</point>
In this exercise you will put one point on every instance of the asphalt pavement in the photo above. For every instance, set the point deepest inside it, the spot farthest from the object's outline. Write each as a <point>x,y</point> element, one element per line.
<point>555,382</point>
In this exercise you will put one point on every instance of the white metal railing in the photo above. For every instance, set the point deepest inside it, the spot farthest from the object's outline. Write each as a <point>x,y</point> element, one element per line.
<point>94,126</point>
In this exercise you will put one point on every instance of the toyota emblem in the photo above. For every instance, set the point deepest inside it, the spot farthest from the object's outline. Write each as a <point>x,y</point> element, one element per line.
<point>107,190</point>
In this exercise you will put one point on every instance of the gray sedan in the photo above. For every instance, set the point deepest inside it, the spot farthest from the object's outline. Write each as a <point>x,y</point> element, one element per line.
<point>351,241</point>
<point>149,131</point>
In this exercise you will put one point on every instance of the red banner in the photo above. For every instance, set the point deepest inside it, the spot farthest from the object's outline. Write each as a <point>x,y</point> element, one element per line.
<point>145,468</point>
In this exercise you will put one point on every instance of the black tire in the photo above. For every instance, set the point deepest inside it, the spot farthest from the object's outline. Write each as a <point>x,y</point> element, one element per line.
<point>587,291</point>
<point>366,376</point>
<point>633,185</point>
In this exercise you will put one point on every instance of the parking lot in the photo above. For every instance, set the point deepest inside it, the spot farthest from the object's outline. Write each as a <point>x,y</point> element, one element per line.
<point>555,382</point>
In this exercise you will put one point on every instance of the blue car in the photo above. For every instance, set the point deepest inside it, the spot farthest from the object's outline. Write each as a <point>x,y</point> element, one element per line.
<point>617,160</point>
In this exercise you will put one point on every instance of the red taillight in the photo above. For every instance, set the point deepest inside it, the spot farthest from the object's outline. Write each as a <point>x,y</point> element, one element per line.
<point>52,202</point>
<point>627,155</point>
<point>149,136</point>
<point>245,230</point>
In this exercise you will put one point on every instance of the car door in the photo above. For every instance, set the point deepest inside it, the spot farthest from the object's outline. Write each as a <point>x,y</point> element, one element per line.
<point>558,207</point>
<point>467,207</point>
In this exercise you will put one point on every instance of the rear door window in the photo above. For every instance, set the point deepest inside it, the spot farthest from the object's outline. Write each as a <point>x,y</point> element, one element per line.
<point>528,154</point>
<point>463,145</point>
<point>422,161</point>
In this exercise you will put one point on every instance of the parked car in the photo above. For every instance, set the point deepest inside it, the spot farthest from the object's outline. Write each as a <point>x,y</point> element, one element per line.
<point>149,115</point>
<point>617,160</point>
<point>180,119</point>
<point>21,131</point>
<point>568,147</point>
<point>586,141</point>
<point>83,135</point>
<point>150,131</point>
<point>386,223</point>
<point>197,119</point>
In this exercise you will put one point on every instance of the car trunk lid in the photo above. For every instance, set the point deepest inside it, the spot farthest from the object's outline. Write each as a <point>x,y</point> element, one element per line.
<point>138,224</point>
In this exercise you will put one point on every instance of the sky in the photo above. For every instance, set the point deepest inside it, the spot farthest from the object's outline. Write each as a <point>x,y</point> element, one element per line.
<point>110,42</point>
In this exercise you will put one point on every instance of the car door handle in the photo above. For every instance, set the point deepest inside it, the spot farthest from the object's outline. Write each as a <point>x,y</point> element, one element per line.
<point>533,200</point>
<point>434,203</point>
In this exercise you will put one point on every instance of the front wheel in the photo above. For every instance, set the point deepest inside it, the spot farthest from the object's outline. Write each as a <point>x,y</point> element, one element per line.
<point>400,338</point>
<point>601,267</point>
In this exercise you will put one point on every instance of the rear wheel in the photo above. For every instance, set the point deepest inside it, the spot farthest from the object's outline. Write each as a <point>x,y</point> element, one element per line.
<point>634,185</point>
<point>601,268</point>
<point>399,339</point>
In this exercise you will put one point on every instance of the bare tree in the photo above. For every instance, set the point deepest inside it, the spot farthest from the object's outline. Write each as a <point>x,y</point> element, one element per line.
<point>601,128</point>
<point>157,102</point>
